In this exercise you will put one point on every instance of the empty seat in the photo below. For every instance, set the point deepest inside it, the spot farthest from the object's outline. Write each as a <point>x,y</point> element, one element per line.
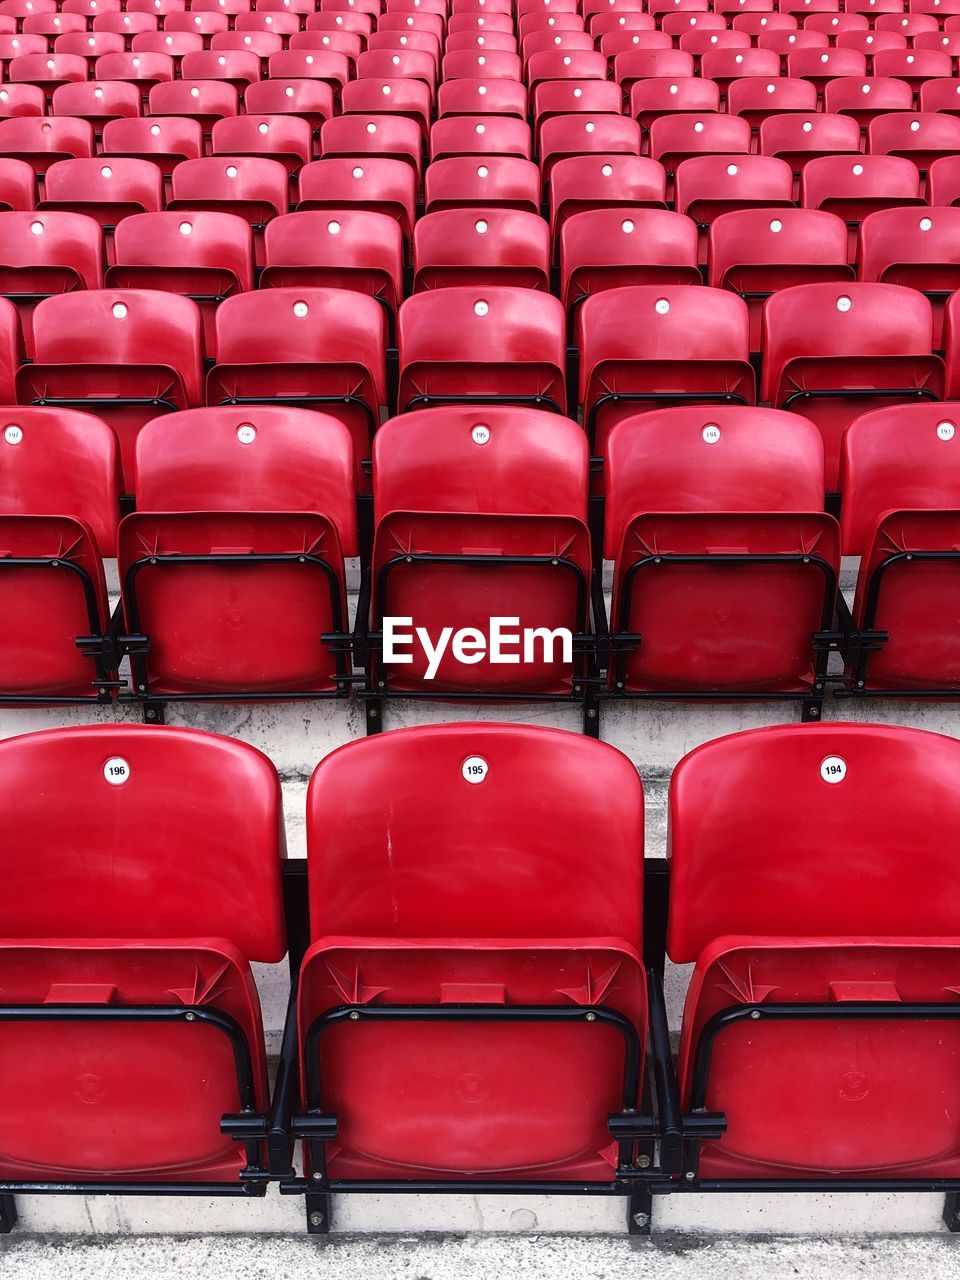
<point>41,143</point>
<point>464,64</point>
<point>608,248</point>
<point>376,183</point>
<point>18,184</point>
<point>205,101</point>
<point>142,69</point>
<point>481,246</point>
<point>23,100</point>
<point>477,97</point>
<point>572,97</point>
<point>854,188</point>
<point>480,135</point>
<point>831,351</point>
<point>942,94</point>
<point>918,136</point>
<point>146,883</point>
<point>757,97</point>
<point>477,787</point>
<point>448,481</point>
<point>237,66</point>
<point>799,138</point>
<point>913,65</point>
<point>674,139</point>
<point>565,136</point>
<point>828,960</point>
<point>360,136</point>
<point>284,138</point>
<point>48,69</point>
<point>913,247</point>
<point>97,103</point>
<point>707,186</point>
<point>384,97</point>
<point>482,182</point>
<point>755,252</point>
<point>656,344</point>
<point>232,567</point>
<point>864,97</point>
<point>325,66</point>
<point>601,182</point>
<point>648,64</point>
<point>122,354</point>
<point>650,99</point>
<point>42,254</point>
<point>482,345</point>
<point>726,592</point>
<point>728,64</point>
<point>164,140</point>
<point>305,347</point>
<point>821,65</point>
<point>252,187</point>
<point>59,505</point>
<point>105,189</point>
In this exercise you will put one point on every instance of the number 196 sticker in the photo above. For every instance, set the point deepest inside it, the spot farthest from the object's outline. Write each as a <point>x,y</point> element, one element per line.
<point>474,768</point>
<point>116,771</point>
<point>833,769</point>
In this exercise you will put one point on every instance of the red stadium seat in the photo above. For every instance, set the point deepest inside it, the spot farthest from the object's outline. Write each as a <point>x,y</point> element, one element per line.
<point>831,351</point>
<point>97,103</point>
<point>726,591</point>
<point>327,66</point>
<point>650,99</point>
<point>755,252</point>
<point>866,97</point>
<point>918,136</point>
<point>570,98</point>
<point>484,499</point>
<point>414,64</point>
<point>493,66</point>
<point>304,347</point>
<point>545,960</point>
<point>799,138</point>
<point>59,489</point>
<point>142,69</point>
<point>362,136</point>
<point>42,254</point>
<point>466,182</point>
<point>284,138</point>
<point>47,69</point>
<point>477,247</point>
<point>602,182</point>
<point>480,97</point>
<point>252,187</point>
<point>646,64</point>
<point>916,248</point>
<point>23,100</point>
<point>228,502</point>
<point>821,65</point>
<point>481,346</point>
<point>164,140</point>
<point>660,344</point>
<point>566,136</point>
<point>42,143</point>
<point>18,185</point>
<point>172,43</point>
<point>727,64</point>
<point>913,65</point>
<point>756,98</point>
<point>608,248</point>
<point>398,97</point>
<point>480,136</point>
<point>145,886</point>
<point>942,94</point>
<point>202,24</point>
<point>901,507</point>
<point>233,65</point>
<point>376,183</point>
<point>853,188</point>
<point>674,139</point>
<point>205,101</point>
<point>89,44</point>
<point>122,354</point>
<point>828,960</point>
<point>107,189</point>
<point>707,186</point>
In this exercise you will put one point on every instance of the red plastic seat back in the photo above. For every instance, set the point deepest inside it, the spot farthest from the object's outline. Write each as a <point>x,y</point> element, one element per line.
<point>585,182</point>
<point>482,181</point>
<point>478,246</point>
<point>371,182</point>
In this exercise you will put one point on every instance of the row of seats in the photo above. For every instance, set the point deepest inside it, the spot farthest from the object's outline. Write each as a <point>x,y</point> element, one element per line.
<point>462,949</point>
<point>232,568</point>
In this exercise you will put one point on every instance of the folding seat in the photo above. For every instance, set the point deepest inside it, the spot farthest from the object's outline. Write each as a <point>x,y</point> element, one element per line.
<point>681,23</point>
<point>136,1030</point>
<point>609,248</point>
<point>90,8</point>
<point>310,100</point>
<point>480,247</point>
<point>142,69</point>
<point>915,248</point>
<point>918,136</point>
<point>564,137</point>
<point>48,25</point>
<point>227,501</point>
<point>380,185</point>
<point>615,43</point>
<point>123,354</point>
<point>162,9</point>
<point>707,186</point>
<point>263,43</point>
<point>165,140</point>
<point>346,43</point>
<point>18,46</point>
<point>480,136</point>
<point>855,188</point>
<point>47,70</point>
<point>349,248</point>
<point>831,351</point>
<point>725,565</point>
<point>841,966</point>
<point>18,184</point>
<point>797,139</point>
<point>477,97</point>
<point>870,43</point>
<point>659,344</point>
<point>727,64</point>
<point>354,20</point>
<point>410,98</point>
<point>326,65</point>
<point>173,43</point>
<point>537,42</point>
<point>97,103</point>
<point>362,137</point>
<point>307,348</point>
<point>913,65</point>
<point>204,25</point>
<point>42,254</point>
<point>943,181</point>
<point>469,65</point>
<point>105,189</point>
<point>659,7</point>
<point>284,24</point>
<point>233,65</point>
<point>835,25</point>
<point>204,256</point>
<point>469,182</point>
<point>785,43</point>
<point>230,7</point>
<point>946,42</point>
<point>22,100</point>
<point>602,182</point>
<point>445,484</point>
<point>866,97</point>
<point>821,65</point>
<point>755,252</point>
<point>650,99</point>
<point>471,345</point>
<point>573,97</point>
<point>482,22</point>
<point>254,188</point>
<point>552,64</point>
<point>41,142</point>
<point>420,42</point>
<point>942,94</point>
<point>603,25</point>
<point>478,779</point>
<point>287,139</point>
<point>205,101</point>
<point>674,139</point>
<point>126,24</point>
<point>646,64</point>
<point>756,98</point>
<point>703,40</point>
<point>909,24</point>
<point>59,488</point>
<point>756,22</point>
<point>88,44</point>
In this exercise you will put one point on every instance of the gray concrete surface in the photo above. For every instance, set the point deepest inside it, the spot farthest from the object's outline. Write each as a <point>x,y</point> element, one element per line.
<point>672,1257</point>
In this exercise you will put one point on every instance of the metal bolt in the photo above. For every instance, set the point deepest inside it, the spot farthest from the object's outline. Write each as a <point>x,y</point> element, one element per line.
<point>317,1177</point>
<point>372,712</point>
<point>643,1162</point>
<point>755,1013</point>
<point>591,1017</point>
<point>190,1017</point>
<point>591,713</point>
<point>302,559</point>
<point>690,1176</point>
<point>316,1219</point>
<point>814,713</point>
<point>641,1219</point>
<point>354,1017</point>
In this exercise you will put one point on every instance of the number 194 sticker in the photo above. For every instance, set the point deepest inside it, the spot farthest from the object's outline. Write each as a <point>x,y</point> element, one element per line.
<point>474,768</point>
<point>833,769</point>
<point>116,771</point>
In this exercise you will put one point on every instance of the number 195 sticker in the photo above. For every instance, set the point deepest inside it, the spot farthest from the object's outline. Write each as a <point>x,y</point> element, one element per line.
<point>474,768</point>
<point>833,769</point>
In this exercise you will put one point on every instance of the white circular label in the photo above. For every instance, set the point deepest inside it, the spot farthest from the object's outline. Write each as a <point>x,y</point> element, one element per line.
<point>246,433</point>
<point>711,433</point>
<point>480,434</point>
<point>474,768</point>
<point>116,771</point>
<point>481,308</point>
<point>833,769</point>
<point>945,430</point>
<point>13,434</point>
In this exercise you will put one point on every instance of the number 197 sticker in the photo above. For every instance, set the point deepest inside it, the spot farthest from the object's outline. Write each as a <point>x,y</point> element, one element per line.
<point>833,769</point>
<point>474,768</point>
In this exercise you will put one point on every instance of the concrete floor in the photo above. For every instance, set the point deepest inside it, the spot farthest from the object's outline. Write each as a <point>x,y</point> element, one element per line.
<point>669,1257</point>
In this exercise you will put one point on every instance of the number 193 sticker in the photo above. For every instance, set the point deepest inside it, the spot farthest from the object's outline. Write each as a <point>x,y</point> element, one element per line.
<point>116,771</point>
<point>833,769</point>
<point>474,768</point>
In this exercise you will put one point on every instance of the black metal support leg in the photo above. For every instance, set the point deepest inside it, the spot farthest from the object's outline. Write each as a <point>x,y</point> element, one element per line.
<point>374,712</point>
<point>591,712</point>
<point>639,1211</point>
<point>8,1214</point>
<point>153,713</point>
<point>318,1212</point>
<point>951,1210</point>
